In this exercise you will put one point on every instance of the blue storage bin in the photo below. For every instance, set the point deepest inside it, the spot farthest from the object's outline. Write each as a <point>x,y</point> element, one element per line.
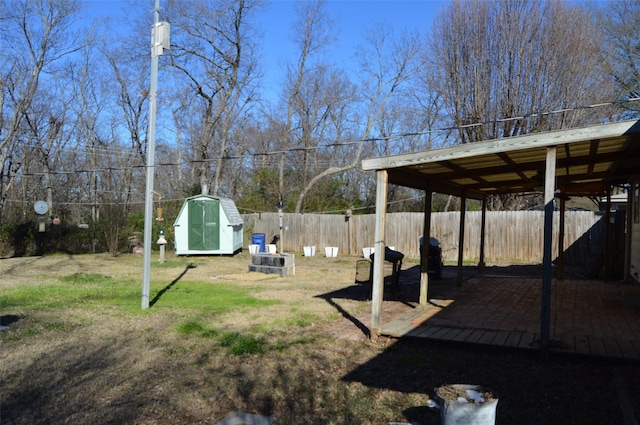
<point>259,239</point>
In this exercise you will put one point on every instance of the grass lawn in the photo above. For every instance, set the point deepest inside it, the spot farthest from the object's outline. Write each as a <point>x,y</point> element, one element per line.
<point>216,339</point>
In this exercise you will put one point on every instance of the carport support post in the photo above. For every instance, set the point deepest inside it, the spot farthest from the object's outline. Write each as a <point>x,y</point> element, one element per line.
<point>607,237</point>
<point>628,238</point>
<point>377,282</point>
<point>483,225</point>
<point>424,252</point>
<point>563,208</point>
<point>549,192</point>
<point>463,211</point>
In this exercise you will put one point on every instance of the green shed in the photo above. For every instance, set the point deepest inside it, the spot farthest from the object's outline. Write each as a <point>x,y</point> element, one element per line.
<point>208,225</point>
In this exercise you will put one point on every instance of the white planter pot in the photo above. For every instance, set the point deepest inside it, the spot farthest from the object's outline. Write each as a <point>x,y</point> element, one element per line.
<point>309,251</point>
<point>366,252</point>
<point>331,251</point>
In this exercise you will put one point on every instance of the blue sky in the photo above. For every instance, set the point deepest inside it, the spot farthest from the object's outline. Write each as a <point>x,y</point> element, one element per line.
<point>351,18</point>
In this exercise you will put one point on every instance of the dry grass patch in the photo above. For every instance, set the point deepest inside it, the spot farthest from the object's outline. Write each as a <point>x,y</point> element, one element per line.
<point>81,350</point>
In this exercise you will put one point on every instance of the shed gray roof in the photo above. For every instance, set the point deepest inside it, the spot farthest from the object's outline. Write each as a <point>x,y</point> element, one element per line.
<point>232,212</point>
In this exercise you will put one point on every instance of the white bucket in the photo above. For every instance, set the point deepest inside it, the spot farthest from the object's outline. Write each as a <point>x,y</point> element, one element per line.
<point>309,251</point>
<point>254,249</point>
<point>271,248</point>
<point>366,252</point>
<point>331,251</point>
<point>461,412</point>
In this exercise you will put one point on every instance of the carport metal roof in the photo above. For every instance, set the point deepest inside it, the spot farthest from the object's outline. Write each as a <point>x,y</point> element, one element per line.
<point>589,161</point>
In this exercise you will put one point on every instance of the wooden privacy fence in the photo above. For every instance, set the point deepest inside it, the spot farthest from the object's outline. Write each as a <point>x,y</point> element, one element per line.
<point>510,236</point>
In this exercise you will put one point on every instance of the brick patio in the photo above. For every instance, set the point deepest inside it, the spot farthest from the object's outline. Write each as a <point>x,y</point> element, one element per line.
<point>587,317</point>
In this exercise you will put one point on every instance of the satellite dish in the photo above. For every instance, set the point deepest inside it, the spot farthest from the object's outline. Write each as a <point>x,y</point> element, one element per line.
<point>41,207</point>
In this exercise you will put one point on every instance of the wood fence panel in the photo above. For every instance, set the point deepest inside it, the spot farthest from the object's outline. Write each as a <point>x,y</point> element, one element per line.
<point>511,236</point>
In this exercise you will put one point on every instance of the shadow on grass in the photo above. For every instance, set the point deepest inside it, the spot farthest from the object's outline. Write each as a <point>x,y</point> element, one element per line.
<point>69,372</point>
<point>531,390</point>
<point>8,319</point>
<point>166,288</point>
<point>407,293</point>
<point>354,292</point>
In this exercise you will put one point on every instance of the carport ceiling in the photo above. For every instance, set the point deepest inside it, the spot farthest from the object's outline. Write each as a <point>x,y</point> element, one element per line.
<point>589,161</point>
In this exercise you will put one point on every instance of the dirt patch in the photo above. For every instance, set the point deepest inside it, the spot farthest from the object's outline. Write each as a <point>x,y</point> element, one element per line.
<point>115,364</point>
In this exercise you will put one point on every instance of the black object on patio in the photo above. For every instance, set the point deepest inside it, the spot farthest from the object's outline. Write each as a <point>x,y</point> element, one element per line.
<point>435,263</point>
<point>395,258</point>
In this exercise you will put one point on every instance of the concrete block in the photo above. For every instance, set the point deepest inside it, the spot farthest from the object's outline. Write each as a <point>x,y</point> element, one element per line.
<point>280,264</point>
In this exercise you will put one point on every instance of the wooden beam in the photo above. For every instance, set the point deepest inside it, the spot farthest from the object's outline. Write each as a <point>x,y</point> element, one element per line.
<point>424,253</point>
<point>549,194</point>
<point>411,178</point>
<point>377,281</point>
<point>539,140</point>
<point>460,171</point>
<point>512,167</point>
<point>512,164</point>
<point>416,180</point>
<point>566,180</point>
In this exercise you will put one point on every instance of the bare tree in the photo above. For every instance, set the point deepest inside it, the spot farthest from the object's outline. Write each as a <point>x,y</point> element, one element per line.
<point>90,109</point>
<point>322,128</point>
<point>36,35</point>
<point>510,64</point>
<point>619,22</point>
<point>506,68</point>
<point>322,136</point>
<point>49,141</point>
<point>311,34</point>
<point>44,137</point>
<point>388,67</point>
<point>212,46</point>
<point>132,97</point>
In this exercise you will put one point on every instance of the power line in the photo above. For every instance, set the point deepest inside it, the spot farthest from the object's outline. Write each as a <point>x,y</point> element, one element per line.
<point>107,150</point>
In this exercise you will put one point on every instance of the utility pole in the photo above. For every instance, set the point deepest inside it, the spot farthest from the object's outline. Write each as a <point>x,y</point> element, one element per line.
<point>159,40</point>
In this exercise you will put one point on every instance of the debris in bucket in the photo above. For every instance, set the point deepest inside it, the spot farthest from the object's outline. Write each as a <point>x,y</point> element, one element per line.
<point>464,404</point>
<point>475,396</point>
<point>464,395</point>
